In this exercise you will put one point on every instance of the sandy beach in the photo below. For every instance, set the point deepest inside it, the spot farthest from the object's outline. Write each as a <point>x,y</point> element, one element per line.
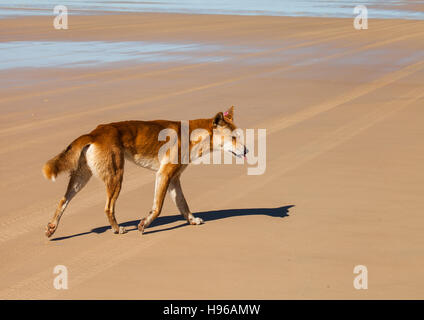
<point>343,186</point>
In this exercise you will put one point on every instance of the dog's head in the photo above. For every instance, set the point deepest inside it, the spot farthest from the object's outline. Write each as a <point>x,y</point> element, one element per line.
<point>226,136</point>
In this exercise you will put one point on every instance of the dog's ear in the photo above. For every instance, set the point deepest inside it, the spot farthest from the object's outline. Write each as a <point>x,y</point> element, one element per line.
<point>218,119</point>
<point>229,114</point>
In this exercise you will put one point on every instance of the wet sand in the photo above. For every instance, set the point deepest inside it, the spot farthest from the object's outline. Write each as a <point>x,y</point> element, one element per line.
<point>343,186</point>
<point>399,9</point>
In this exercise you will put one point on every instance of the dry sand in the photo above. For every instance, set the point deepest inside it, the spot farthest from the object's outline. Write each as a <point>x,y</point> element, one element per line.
<point>343,187</point>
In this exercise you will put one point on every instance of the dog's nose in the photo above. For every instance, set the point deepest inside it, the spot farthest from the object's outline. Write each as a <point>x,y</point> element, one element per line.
<point>245,150</point>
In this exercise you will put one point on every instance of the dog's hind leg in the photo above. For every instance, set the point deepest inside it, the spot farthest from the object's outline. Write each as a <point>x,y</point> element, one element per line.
<point>77,181</point>
<point>112,177</point>
<point>113,187</point>
<point>177,196</point>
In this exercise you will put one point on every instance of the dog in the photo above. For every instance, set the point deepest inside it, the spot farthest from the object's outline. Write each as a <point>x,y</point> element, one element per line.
<point>103,152</point>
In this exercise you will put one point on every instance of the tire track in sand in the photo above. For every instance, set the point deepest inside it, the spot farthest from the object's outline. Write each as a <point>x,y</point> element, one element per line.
<point>276,125</point>
<point>38,284</point>
<point>140,101</point>
<point>331,140</point>
<point>361,90</point>
<point>89,263</point>
<point>32,217</point>
<point>336,35</point>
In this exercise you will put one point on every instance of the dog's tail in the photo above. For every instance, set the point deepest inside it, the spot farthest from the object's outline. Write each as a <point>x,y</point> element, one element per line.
<point>67,160</point>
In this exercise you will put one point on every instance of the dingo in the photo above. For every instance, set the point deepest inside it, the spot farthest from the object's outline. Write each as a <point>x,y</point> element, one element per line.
<point>102,153</point>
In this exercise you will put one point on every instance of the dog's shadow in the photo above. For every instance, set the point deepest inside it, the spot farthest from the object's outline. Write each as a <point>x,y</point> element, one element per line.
<point>279,212</point>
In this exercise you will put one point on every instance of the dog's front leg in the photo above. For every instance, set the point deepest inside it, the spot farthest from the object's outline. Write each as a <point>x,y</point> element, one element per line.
<point>177,196</point>
<point>163,177</point>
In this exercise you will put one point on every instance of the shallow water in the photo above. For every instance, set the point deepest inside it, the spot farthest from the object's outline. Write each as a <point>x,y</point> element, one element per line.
<point>74,54</point>
<point>66,54</point>
<point>315,8</point>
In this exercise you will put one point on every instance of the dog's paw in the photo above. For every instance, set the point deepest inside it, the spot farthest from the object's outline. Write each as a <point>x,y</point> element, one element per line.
<point>141,225</point>
<point>122,230</point>
<point>50,229</point>
<point>196,221</point>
